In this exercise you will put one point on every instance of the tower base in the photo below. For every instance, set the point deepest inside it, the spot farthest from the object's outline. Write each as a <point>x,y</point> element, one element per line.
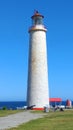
<point>39,109</point>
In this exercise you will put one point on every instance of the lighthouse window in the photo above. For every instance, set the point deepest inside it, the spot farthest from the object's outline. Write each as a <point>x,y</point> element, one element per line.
<point>37,21</point>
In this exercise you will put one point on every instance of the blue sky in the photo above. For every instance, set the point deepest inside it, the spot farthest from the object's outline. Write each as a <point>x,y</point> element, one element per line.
<point>15,20</point>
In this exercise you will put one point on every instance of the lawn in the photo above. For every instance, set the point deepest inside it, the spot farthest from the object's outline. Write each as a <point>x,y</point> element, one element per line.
<point>8,112</point>
<point>53,121</point>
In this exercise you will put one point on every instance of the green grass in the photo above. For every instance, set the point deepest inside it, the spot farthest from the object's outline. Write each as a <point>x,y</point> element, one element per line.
<point>53,121</point>
<point>8,112</point>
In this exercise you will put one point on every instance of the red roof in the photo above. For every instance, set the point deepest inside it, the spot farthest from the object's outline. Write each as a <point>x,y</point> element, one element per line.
<point>55,99</point>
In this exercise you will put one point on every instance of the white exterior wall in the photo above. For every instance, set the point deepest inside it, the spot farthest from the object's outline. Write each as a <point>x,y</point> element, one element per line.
<point>37,93</point>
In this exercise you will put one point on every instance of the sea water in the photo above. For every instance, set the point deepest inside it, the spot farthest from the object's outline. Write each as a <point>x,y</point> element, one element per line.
<point>12,104</point>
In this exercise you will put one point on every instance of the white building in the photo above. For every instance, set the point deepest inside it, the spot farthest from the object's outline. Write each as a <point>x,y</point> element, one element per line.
<point>37,91</point>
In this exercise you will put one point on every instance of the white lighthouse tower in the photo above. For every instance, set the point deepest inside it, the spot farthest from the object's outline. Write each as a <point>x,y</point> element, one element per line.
<point>37,92</point>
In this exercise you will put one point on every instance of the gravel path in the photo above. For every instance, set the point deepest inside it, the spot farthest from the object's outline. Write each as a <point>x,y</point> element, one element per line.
<point>17,119</point>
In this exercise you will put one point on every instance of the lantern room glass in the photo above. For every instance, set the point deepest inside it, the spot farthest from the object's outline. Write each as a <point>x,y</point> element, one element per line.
<point>37,20</point>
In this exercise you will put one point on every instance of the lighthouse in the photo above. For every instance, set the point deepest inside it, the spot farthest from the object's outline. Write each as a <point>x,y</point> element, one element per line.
<point>37,89</point>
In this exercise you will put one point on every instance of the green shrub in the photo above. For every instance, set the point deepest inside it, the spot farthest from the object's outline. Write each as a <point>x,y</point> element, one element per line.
<point>4,108</point>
